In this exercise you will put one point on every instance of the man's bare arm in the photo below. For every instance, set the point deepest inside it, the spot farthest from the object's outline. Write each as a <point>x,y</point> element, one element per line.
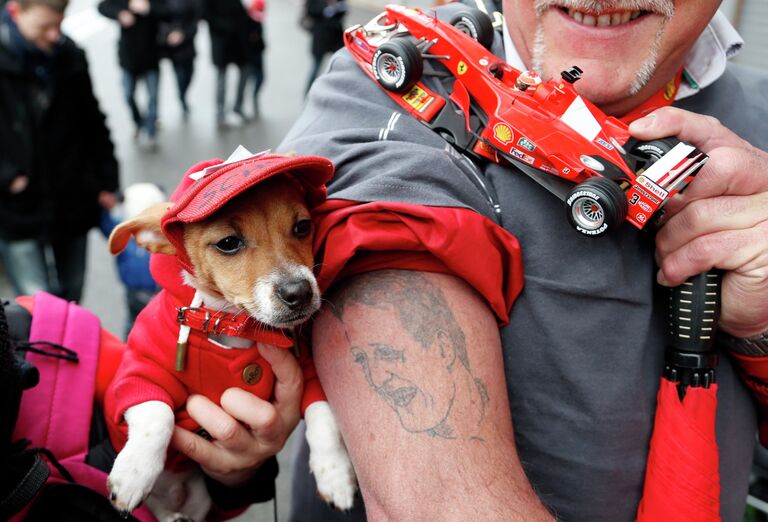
<point>411,363</point>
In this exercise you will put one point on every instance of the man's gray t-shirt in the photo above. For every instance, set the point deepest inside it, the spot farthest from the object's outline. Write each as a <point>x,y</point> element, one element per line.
<point>584,347</point>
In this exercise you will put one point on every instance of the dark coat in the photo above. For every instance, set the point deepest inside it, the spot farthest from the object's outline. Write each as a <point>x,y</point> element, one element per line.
<point>137,49</point>
<point>233,32</point>
<point>183,15</point>
<point>54,133</point>
<point>327,31</point>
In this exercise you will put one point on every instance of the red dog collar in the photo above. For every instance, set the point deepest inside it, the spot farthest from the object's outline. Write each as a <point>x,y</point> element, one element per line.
<point>238,325</point>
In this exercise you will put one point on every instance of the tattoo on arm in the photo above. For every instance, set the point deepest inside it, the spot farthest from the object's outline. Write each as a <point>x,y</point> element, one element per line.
<point>415,359</point>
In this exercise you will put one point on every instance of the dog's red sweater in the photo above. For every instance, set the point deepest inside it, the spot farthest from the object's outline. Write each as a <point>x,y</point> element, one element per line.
<point>147,371</point>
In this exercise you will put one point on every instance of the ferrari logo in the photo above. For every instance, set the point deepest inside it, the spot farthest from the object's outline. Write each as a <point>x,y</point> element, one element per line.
<point>461,68</point>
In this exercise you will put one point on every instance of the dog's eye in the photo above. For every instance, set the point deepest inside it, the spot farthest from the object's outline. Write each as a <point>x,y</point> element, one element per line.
<point>302,228</point>
<point>230,245</point>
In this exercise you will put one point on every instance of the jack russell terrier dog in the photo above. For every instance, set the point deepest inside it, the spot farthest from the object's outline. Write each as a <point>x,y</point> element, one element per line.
<point>236,270</point>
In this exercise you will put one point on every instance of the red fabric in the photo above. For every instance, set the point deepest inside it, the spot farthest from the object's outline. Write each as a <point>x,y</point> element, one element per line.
<point>754,373</point>
<point>148,370</point>
<point>353,238</point>
<point>197,199</point>
<point>682,482</point>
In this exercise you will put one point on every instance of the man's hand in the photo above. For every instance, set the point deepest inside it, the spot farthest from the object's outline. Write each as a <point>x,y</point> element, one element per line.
<point>126,18</point>
<point>140,7</point>
<point>18,184</point>
<point>721,219</point>
<point>246,430</point>
<point>107,200</point>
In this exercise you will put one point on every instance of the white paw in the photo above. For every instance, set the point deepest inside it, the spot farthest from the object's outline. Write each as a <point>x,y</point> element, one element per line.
<point>132,477</point>
<point>328,458</point>
<point>141,461</point>
<point>335,477</point>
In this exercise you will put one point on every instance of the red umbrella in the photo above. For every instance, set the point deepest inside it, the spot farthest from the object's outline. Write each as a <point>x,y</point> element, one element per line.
<point>682,479</point>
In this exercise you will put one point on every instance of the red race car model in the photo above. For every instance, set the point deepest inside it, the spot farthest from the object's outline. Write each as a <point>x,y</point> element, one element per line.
<point>504,115</point>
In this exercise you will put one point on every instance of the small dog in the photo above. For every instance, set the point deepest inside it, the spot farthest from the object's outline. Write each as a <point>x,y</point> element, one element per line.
<point>241,239</point>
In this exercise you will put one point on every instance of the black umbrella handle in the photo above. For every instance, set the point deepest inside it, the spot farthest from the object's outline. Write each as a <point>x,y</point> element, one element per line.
<point>694,311</point>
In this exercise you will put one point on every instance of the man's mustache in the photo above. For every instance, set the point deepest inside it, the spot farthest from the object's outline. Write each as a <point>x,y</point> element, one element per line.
<point>664,8</point>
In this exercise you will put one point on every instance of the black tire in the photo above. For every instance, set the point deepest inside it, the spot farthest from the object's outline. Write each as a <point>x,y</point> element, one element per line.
<point>596,206</point>
<point>397,65</point>
<point>476,24</point>
<point>649,152</point>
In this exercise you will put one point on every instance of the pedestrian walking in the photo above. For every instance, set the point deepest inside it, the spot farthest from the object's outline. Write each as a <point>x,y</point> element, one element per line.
<point>228,24</point>
<point>57,162</point>
<point>139,57</point>
<point>176,37</point>
<point>325,21</point>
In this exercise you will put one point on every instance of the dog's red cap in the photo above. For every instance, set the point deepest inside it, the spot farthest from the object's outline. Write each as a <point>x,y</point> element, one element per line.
<point>197,198</point>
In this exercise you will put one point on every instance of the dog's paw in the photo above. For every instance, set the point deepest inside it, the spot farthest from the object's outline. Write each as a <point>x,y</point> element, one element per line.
<point>328,458</point>
<point>132,478</point>
<point>335,477</point>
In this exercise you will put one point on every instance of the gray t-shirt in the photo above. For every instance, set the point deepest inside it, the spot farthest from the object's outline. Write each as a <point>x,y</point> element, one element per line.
<point>584,346</point>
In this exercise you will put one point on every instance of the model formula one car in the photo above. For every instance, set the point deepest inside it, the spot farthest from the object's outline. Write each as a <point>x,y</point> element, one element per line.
<point>498,113</point>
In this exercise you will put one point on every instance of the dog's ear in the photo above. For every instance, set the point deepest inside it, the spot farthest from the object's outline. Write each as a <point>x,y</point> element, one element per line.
<point>146,229</point>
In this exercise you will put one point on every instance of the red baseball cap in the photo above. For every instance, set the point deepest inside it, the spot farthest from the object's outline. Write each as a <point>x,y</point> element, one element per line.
<point>204,189</point>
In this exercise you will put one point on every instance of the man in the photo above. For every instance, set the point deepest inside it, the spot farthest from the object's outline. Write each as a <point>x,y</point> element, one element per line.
<point>57,163</point>
<point>139,56</point>
<point>572,378</point>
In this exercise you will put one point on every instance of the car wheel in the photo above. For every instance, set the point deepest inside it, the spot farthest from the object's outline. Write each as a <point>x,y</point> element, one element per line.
<point>397,65</point>
<point>596,206</point>
<point>476,24</point>
<point>649,152</point>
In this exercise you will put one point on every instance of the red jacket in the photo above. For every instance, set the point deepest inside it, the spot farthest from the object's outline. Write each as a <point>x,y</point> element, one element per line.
<point>147,371</point>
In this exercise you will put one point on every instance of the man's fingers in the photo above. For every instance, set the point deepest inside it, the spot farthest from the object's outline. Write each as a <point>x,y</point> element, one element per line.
<point>225,429</point>
<point>705,132</point>
<point>193,445</point>
<point>261,416</point>
<point>710,215</point>
<point>289,383</point>
<point>742,250</point>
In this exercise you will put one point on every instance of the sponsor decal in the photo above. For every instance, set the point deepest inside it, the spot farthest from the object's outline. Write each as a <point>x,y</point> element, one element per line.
<point>566,170</point>
<point>604,143</point>
<point>418,98</point>
<point>652,187</point>
<point>461,68</point>
<point>526,144</point>
<point>522,155</point>
<point>646,194</point>
<point>503,133</point>
<point>640,217</point>
<point>645,206</point>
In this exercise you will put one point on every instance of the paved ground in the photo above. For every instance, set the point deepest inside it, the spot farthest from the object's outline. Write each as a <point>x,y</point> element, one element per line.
<point>183,143</point>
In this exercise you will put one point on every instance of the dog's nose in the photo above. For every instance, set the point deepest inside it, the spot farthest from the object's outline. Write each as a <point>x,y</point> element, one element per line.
<point>295,294</point>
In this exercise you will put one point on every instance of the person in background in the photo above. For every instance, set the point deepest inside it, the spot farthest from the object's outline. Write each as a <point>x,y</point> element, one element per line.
<point>176,37</point>
<point>229,25</point>
<point>566,333</point>
<point>133,262</point>
<point>325,19</point>
<point>255,49</point>
<point>57,162</point>
<point>139,56</point>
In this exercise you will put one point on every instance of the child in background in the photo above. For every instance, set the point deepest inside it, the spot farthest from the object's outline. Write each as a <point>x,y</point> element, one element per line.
<point>133,262</point>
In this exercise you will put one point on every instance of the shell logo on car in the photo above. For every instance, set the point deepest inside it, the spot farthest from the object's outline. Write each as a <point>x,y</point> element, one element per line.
<point>503,133</point>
